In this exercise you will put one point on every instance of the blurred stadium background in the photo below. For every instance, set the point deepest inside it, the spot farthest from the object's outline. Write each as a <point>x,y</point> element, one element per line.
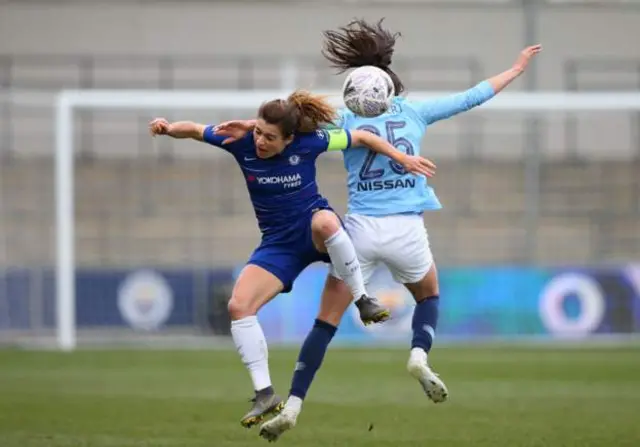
<point>539,238</point>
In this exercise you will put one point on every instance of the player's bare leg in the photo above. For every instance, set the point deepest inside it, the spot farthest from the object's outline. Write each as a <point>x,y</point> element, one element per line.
<point>426,294</point>
<point>329,237</point>
<point>335,301</point>
<point>254,288</point>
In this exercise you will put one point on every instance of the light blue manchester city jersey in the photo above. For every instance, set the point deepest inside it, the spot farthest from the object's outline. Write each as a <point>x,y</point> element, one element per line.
<point>378,186</point>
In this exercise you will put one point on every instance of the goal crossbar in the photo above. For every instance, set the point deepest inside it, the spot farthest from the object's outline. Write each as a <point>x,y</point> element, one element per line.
<point>518,101</point>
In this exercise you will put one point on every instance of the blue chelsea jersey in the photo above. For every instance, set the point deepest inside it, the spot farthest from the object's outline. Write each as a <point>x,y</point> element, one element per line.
<point>377,186</point>
<point>283,188</point>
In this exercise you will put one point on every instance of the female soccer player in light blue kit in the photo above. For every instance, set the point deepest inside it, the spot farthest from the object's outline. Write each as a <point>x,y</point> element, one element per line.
<point>385,210</point>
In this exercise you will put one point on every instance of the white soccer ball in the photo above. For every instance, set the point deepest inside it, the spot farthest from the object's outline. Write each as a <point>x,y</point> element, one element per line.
<point>368,91</point>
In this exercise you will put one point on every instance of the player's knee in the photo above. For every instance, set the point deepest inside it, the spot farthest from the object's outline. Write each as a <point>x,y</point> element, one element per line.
<point>426,287</point>
<point>325,224</point>
<point>240,306</point>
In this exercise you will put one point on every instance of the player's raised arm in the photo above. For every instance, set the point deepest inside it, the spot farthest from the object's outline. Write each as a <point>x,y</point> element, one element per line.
<point>195,131</point>
<point>178,129</point>
<point>501,80</point>
<point>448,106</point>
<point>412,163</point>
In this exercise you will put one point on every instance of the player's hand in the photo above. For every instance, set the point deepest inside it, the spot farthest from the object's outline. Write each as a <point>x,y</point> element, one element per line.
<point>159,126</point>
<point>418,165</point>
<point>525,56</point>
<point>234,129</point>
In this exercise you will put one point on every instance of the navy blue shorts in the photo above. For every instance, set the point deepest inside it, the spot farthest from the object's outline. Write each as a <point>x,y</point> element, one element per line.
<point>286,257</point>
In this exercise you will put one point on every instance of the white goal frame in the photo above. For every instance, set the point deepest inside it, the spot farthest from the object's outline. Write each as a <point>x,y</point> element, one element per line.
<point>68,101</point>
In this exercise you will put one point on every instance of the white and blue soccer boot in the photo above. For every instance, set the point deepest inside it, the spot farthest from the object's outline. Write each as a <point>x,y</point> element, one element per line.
<point>433,387</point>
<point>286,420</point>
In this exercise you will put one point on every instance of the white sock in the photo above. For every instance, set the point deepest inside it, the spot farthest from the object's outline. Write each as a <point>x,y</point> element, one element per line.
<point>345,261</point>
<point>294,403</point>
<point>252,346</point>
<point>419,354</point>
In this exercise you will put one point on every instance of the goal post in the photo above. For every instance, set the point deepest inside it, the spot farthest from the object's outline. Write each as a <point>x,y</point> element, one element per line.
<point>69,101</point>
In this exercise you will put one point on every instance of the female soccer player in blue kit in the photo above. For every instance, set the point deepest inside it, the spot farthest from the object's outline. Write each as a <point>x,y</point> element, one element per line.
<point>298,226</point>
<point>386,225</point>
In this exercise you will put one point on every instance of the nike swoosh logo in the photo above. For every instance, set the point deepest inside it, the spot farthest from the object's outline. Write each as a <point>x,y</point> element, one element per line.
<point>248,159</point>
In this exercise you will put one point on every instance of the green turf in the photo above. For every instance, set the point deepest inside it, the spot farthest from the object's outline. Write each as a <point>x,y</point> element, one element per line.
<point>498,397</point>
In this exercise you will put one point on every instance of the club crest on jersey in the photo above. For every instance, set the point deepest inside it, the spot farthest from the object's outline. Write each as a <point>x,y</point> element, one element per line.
<point>294,160</point>
<point>320,133</point>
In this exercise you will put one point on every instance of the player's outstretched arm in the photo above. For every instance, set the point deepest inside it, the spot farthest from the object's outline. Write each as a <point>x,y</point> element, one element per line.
<point>448,106</point>
<point>412,163</point>
<point>178,129</point>
<point>501,80</point>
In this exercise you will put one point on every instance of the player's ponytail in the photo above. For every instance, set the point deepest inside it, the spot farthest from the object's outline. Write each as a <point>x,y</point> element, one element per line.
<point>300,112</point>
<point>359,44</point>
<point>313,110</point>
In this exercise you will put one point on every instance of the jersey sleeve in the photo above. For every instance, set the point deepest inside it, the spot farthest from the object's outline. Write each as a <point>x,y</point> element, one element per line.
<point>323,140</point>
<point>209,136</point>
<point>448,106</point>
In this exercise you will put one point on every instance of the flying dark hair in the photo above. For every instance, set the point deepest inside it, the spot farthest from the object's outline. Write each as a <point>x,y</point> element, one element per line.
<point>360,43</point>
<point>300,112</point>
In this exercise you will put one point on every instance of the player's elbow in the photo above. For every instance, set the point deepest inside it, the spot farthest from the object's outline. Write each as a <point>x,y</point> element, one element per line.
<point>469,100</point>
<point>196,131</point>
<point>475,101</point>
<point>186,129</point>
<point>479,94</point>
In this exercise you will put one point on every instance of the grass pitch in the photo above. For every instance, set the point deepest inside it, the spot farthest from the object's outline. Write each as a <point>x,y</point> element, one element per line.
<point>507,397</point>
